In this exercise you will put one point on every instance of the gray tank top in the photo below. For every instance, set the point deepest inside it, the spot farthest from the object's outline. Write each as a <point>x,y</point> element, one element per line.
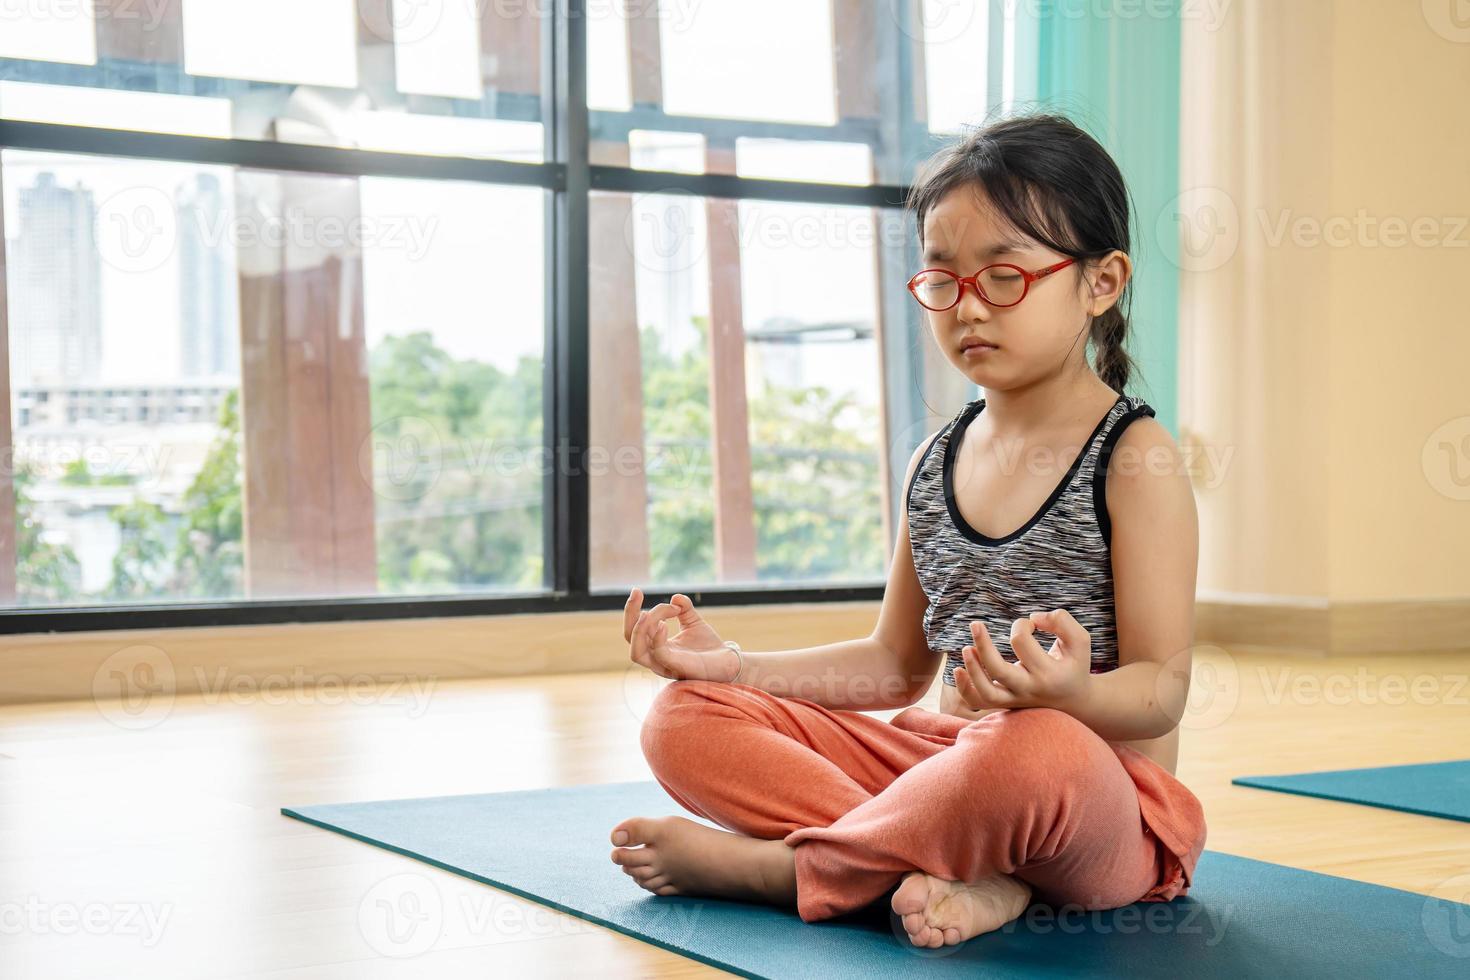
<point>1059,559</point>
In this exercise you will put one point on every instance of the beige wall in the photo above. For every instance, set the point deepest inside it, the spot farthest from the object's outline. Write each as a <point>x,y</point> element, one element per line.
<point>1314,372</point>
<point>1402,141</point>
<point>381,655</point>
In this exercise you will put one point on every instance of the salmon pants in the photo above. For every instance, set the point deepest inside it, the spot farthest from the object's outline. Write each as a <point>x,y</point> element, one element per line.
<point>1029,792</point>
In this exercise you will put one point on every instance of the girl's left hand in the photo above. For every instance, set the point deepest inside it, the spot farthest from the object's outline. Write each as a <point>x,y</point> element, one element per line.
<point>1041,678</point>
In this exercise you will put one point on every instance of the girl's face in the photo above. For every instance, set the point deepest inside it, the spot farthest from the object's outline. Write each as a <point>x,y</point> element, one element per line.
<point>1046,330</point>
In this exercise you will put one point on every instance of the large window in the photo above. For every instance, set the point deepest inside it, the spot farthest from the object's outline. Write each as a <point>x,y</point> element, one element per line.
<point>460,78</point>
<point>751,337</point>
<point>363,307</point>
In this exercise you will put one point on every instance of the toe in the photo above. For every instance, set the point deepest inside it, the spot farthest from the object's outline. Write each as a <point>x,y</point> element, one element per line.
<point>634,830</point>
<point>632,857</point>
<point>911,894</point>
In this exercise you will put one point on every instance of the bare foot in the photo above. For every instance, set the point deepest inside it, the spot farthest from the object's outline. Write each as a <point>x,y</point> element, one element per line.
<point>937,912</point>
<point>681,857</point>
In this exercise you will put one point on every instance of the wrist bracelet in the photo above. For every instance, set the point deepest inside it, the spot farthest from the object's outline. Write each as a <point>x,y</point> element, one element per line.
<point>738,658</point>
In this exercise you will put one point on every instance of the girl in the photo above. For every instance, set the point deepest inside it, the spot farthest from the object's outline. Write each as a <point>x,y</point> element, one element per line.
<point>1046,549</point>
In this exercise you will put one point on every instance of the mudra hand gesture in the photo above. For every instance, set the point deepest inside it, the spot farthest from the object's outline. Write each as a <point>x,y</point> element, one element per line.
<point>695,652</point>
<point>1040,678</point>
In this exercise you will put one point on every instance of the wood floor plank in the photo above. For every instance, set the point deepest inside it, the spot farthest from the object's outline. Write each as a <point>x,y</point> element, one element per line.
<point>157,850</point>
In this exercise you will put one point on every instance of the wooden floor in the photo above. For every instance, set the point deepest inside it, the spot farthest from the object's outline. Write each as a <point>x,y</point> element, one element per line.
<point>150,845</point>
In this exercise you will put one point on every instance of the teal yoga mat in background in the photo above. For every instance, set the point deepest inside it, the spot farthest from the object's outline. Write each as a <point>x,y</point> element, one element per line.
<point>1434,789</point>
<point>1241,918</point>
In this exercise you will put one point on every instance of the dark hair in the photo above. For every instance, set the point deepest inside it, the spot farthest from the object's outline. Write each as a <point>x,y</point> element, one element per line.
<point>1056,184</point>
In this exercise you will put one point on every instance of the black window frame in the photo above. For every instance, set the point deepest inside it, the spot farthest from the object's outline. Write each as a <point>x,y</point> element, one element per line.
<point>570,177</point>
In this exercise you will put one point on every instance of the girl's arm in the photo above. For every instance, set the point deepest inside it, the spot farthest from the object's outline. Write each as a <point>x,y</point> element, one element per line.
<point>892,668</point>
<point>1155,545</point>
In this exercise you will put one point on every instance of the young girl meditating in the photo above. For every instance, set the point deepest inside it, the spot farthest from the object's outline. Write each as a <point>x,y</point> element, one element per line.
<point>1046,556</point>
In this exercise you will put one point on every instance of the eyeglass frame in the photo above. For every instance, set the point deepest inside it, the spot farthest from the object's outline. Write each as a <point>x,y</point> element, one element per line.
<point>1029,277</point>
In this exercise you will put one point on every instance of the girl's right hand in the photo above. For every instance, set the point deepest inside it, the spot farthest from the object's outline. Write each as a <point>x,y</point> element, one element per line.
<point>696,652</point>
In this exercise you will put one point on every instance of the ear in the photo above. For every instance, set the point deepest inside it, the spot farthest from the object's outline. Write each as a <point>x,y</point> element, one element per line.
<point>1108,276</point>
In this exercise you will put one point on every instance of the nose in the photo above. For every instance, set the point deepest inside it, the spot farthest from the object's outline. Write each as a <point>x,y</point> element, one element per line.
<point>971,308</point>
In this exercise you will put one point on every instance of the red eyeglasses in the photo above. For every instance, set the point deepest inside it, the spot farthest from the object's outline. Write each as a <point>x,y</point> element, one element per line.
<point>1001,284</point>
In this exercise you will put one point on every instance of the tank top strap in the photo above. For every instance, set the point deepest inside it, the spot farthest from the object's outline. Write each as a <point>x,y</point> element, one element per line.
<point>931,462</point>
<point>1128,410</point>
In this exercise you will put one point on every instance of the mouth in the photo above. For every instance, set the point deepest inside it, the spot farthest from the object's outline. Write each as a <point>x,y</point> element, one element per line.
<point>976,345</point>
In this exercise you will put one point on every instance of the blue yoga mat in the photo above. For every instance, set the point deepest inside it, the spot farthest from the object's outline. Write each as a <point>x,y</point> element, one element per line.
<point>1240,918</point>
<point>1435,789</point>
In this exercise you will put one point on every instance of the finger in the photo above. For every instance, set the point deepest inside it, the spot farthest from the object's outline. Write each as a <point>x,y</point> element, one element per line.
<point>995,695</point>
<point>645,634</point>
<point>657,615</point>
<point>979,674</point>
<point>637,644</point>
<point>964,685</point>
<point>653,627</point>
<point>687,616</point>
<point>1027,648</point>
<point>1064,626</point>
<point>1055,651</point>
<point>972,682</point>
<point>630,613</point>
<point>1011,676</point>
